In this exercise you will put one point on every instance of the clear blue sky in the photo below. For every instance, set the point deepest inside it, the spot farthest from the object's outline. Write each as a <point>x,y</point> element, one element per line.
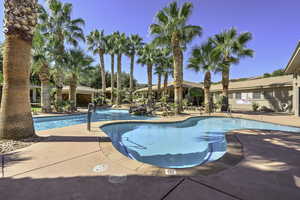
<point>274,24</point>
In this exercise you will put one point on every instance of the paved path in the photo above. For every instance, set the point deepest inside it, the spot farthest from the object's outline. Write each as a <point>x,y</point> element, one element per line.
<point>70,164</point>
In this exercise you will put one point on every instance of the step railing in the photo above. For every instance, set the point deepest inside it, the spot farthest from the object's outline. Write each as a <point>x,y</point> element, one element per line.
<point>91,109</point>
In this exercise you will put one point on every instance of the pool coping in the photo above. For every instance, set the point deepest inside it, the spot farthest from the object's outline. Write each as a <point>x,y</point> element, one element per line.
<point>233,156</point>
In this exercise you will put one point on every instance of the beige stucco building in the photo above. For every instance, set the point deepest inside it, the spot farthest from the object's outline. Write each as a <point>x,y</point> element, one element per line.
<point>293,68</point>
<point>170,89</point>
<point>273,92</point>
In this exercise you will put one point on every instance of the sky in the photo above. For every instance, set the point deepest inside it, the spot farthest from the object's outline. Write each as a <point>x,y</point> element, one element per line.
<point>273,23</point>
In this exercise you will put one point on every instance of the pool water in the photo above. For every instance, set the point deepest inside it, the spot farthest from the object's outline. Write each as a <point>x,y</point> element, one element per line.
<point>180,145</point>
<point>45,123</point>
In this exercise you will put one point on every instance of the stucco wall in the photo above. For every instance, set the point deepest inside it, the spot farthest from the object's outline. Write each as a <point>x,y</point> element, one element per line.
<point>272,98</point>
<point>296,85</point>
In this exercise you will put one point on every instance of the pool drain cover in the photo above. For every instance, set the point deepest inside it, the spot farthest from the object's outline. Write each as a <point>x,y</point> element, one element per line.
<point>121,178</point>
<point>170,171</point>
<point>100,168</point>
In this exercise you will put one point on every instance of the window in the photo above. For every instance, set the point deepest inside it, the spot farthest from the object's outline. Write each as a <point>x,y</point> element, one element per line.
<point>230,95</point>
<point>268,94</point>
<point>256,95</point>
<point>238,95</point>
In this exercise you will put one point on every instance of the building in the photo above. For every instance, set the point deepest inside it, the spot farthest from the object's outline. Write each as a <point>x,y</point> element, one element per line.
<point>293,68</point>
<point>170,89</point>
<point>273,92</point>
<point>84,95</point>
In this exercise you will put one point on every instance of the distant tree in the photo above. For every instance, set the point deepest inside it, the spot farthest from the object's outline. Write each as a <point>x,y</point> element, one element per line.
<point>232,47</point>
<point>97,43</point>
<point>134,44</point>
<point>172,30</point>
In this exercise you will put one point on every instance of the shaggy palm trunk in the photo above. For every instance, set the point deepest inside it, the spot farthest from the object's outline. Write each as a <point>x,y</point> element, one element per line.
<point>166,77</point>
<point>119,68</point>
<point>207,84</point>
<point>131,77</point>
<point>158,85</point>
<point>178,72</point>
<point>16,119</point>
<point>58,95</point>
<point>225,84</point>
<point>112,81</point>
<point>72,93</point>
<point>102,70</point>
<point>45,89</point>
<point>149,73</point>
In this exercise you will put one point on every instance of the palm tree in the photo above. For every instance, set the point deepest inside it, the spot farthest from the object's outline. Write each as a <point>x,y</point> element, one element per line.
<point>62,30</point>
<point>159,70</point>
<point>97,43</point>
<point>203,59</point>
<point>16,119</point>
<point>171,30</point>
<point>111,42</point>
<point>40,67</point>
<point>77,62</point>
<point>148,56</point>
<point>120,47</point>
<point>231,46</point>
<point>134,44</point>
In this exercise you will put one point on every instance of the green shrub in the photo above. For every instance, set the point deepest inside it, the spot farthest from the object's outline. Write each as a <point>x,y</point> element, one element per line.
<point>255,106</point>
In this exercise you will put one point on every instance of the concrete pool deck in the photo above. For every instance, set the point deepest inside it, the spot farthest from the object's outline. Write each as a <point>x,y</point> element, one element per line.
<point>72,164</point>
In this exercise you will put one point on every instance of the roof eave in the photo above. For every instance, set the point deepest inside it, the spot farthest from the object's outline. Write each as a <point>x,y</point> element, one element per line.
<point>290,68</point>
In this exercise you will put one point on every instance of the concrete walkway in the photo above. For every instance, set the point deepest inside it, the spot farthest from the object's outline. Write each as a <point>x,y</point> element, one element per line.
<point>71,164</point>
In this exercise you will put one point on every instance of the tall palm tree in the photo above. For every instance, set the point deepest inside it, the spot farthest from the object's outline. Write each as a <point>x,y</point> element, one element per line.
<point>97,43</point>
<point>77,62</point>
<point>111,42</point>
<point>41,61</point>
<point>62,30</point>
<point>148,56</point>
<point>171,30</point>
<point>121,48</point>
<point>134,44</point>
<point>203,59</point>
<point>16,119</point>
<point>231,46</point>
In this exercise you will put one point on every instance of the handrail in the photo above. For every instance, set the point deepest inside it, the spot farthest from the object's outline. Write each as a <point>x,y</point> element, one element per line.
<point>91,108</point>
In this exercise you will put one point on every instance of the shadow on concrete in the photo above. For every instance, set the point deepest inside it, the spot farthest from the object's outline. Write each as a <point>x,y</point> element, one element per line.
<point>271,169</point>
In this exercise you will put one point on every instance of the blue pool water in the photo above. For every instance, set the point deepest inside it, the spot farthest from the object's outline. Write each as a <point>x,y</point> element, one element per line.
<point>45,123</point>
<point>180,145</point>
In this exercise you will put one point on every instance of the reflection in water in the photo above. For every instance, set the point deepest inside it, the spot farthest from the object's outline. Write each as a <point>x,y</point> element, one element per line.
<point>179,145</point>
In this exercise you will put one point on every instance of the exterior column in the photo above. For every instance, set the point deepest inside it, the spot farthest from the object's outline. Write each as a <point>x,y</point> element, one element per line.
<point>296,86</point>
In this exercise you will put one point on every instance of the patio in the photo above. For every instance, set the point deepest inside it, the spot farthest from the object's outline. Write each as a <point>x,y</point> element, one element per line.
<point>72,164</point>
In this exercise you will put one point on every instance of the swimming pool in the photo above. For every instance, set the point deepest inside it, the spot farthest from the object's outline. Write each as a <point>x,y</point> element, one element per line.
<point>45,123</point>
<point>182,144</point>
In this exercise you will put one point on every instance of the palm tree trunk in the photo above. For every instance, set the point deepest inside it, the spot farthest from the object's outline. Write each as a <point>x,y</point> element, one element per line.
<point>131,77</point>
<point>207,84</point>
<point>58,95</point>
<point>158,85</point>
<point>112,81</point>
<point>166,77</point>
<point>119,79</point>
<point>178,72</point>
<point>149,73</point>
<point>16,119</point>
<point>102,69</point>
<point>72,93</point>
<point>45,89</point>
<point>225,84</point>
